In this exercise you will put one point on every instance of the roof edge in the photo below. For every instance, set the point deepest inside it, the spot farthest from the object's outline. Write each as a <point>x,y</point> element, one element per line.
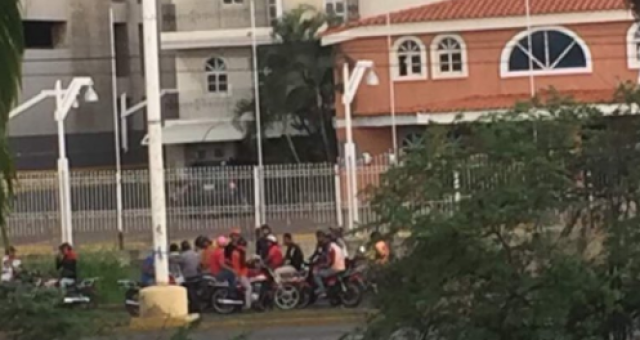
<point>461,25</point>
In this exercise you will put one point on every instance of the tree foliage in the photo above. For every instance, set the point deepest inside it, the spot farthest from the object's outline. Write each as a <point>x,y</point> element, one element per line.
<point>525,226</point>
<point>29,313</point>
<point>11,49</point>
<point>296,86</point>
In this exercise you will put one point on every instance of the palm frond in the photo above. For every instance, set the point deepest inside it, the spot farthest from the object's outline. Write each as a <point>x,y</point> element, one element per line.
<point>11,51</point>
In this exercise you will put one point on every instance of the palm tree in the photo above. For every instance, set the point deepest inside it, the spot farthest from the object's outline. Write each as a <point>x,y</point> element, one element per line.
<point>297,87</point>
<point>634,5</point>
<point>11,49</point>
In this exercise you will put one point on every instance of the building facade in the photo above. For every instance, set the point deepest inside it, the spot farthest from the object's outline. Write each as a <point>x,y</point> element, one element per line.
<point>212,45</point>
<point>474,57</point>
<point>70,39</point>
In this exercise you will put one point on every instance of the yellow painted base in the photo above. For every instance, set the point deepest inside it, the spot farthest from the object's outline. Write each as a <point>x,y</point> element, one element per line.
<point>163,307</point>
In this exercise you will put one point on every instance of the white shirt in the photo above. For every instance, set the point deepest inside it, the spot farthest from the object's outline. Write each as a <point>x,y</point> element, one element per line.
<point>343,245</point>
<point>339,263</point>
<point>8,268</point>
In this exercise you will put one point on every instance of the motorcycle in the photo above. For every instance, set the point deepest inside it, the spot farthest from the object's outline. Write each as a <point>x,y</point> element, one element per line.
<point>267,290</point>
<point>342,289</point>
<point>82,294</point>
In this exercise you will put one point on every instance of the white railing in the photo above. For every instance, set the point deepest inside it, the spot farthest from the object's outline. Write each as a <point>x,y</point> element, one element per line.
<point>299,198</point>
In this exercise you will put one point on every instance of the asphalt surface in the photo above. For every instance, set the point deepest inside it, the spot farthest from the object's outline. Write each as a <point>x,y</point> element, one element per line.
<point>318,332</point>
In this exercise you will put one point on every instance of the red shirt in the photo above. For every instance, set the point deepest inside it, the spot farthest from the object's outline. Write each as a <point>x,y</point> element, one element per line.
<point>237,262</point>
<point>216,261</point>
<point>275,258</point>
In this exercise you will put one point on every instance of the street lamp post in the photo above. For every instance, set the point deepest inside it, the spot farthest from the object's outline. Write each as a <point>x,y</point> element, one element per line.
<point>351,84</point>
<point>66,99</point>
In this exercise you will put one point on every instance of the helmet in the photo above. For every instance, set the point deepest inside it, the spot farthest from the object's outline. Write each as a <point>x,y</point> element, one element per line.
<point>222,241</point>
<point>272,238</point>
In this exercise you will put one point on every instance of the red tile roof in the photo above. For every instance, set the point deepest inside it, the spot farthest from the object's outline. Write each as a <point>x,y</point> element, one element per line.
<point>497,102</point>
<point>480,9</point>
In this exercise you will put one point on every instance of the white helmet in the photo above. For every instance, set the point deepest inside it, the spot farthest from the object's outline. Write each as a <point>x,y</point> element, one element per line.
<point>272,238</point>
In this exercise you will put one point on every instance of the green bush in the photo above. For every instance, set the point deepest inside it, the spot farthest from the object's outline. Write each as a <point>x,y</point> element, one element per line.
<point>28,313</point>
<point>108,266</point>
<point>541,240</point>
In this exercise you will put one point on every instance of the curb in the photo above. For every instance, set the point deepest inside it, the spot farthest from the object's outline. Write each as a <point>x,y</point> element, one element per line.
<point>293,321</point>
<point>252,321</point>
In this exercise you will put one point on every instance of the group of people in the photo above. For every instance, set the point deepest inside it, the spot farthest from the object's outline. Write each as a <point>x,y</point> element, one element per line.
<point>65,265</point>
<point>228,259</point>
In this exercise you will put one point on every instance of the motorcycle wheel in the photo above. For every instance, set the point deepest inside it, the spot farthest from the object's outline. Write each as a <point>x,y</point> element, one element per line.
<point>132,295</point>
<point>287,297</point>
<point>307,297</point>
<point>351,297</point>
<point>219,307</point>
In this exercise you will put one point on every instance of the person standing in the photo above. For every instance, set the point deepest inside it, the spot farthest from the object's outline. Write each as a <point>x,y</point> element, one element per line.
<point>237,256</point>
<point>190,261</point>
<point>175,262</point>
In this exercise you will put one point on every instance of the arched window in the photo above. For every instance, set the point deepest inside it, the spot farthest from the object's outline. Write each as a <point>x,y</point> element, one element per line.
<point>410,59</point>
<point>633,46</point>
<point>449,57</point>
<point>217,77</point>
<point>553,51</point>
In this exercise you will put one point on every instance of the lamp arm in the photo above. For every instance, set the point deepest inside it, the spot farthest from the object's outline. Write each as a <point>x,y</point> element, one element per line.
<point>70,96</point>
<point>354,82</point>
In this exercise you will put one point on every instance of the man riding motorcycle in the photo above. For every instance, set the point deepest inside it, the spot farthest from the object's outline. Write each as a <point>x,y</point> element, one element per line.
<point>334,262</point>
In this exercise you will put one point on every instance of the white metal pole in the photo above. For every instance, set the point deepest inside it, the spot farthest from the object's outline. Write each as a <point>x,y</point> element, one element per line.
<point>116,132</point>
<point>256,90</point>
<point>154,126</point>
<point>392,90</point>
<point>532,81</point>
<point>63,169</point>
<point>338,189</point>
<point>350,155</point>
<point>123,123</point>
<point>256,197</point>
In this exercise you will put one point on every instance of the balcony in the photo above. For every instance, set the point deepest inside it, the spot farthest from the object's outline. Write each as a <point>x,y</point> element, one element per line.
<point>206,15</point>
<point>44,11</point>
<point>195,24</point>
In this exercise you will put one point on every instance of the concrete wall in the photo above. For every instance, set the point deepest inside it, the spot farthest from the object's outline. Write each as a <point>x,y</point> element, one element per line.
<point>375,7</point>
<point>202,15</point>
<point>84,50</point>
<point>195,101</point>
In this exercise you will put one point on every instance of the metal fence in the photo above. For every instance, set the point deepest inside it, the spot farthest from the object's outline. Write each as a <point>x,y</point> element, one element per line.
<point>298,198</point>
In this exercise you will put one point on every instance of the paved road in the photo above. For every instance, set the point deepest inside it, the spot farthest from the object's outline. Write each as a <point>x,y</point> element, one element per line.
<point>325,332</point>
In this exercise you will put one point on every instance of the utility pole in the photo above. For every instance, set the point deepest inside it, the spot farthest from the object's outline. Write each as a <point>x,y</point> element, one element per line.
<point>154,127</point>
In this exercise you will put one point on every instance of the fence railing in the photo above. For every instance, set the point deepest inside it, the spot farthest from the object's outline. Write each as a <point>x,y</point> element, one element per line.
<point>298,198</point>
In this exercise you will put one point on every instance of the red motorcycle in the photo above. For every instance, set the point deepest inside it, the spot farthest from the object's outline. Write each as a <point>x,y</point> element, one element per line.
<point>265,291</point>
<point>342,289</point>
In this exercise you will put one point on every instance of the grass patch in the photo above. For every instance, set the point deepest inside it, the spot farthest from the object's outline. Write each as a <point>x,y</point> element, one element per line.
<point>106,265</point>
